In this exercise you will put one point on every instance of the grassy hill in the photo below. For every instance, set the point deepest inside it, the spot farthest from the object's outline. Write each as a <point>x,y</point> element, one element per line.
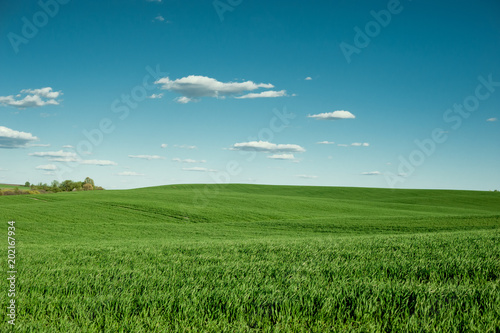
<point>244,258</point>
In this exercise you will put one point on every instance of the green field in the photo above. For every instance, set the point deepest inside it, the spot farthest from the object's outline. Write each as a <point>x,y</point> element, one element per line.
<point>249,258</point>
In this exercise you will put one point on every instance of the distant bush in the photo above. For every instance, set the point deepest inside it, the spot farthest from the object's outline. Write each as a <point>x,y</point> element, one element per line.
<point>33,192</point>
<point>88,187</point>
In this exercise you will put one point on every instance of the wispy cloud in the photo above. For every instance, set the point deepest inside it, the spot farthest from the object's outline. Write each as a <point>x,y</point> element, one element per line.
<point>306,176</point>
<point>39,145</point>
<point>371,173</point>
<point>53,154</point>
<point>199,169</point>
<point>10,138</point>
<point>188,160</point>
<point>491,119</point>
<point>193,87</point>
<point>335,115</point>
<point>159,18</point>
<point>156,96</point>
<point>68,146</point>
<point>147,157</point>
<point>282,157</point>
<point>325,143</point>
<point>31,98</point>
<point>185,146</point>
<point>264,146</point>
<point>308,78</point>
<point>163,145</point>
<point>354,144</point>
<point>129,173</point>
<point>98,162</point>
<point>265,94</point>
<point>47,167</point>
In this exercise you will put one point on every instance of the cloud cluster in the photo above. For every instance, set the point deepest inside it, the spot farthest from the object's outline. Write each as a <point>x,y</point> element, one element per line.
<point>268,147</point>
<point>335,115</point>
<point>32,98</point>
<point>193,87</point>
<point>67,156</point>
<point>10,138</point>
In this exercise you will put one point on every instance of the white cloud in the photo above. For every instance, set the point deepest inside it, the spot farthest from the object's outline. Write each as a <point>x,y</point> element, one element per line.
<point>335,115</point>
<point>147,157</point>
<point>10,138</point>
<point>193,87</point>
<point>185,100</point>
<point>98,162</point>
<point>306,176</point>
<point>46,167</point>
<point>63,159</point>
<point>159,18</point>
<point>268,147</point>
<point>33,98</point>
<point>325,143</point>
<point>39,145</point>
<point>188,160</point>
<point>282,157</point>
<point>156,96</point>
<point>185,146</point>
<point>163,145</point>
<point>129,173</point>
<point>491,119</point>
<point>53,154</point>
<point>308,78</point>
<point>68,146</point>
<point>354,144</point>
<point>196,169</point>
<point>371,173</point>
<point>265,94</point>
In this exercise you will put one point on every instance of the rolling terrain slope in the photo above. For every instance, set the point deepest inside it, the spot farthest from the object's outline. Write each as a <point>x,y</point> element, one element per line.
<point>245,258</point>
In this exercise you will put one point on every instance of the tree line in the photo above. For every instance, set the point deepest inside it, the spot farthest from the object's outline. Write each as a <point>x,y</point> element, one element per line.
<point>55,187</point>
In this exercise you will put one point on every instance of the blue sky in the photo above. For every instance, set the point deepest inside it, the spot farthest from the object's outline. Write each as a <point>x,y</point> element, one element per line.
<point>401,94</point>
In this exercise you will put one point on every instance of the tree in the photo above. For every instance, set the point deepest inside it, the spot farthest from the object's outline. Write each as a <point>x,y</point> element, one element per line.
<point>90,181</point>
<point>88,187</point>
<point>27,184</point>
<point>66,185</point>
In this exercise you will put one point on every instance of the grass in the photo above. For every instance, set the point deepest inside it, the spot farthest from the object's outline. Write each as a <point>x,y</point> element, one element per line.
<point>245,258</point>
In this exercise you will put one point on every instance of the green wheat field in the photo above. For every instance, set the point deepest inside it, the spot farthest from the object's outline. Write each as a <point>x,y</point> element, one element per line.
<point>255,258</point>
